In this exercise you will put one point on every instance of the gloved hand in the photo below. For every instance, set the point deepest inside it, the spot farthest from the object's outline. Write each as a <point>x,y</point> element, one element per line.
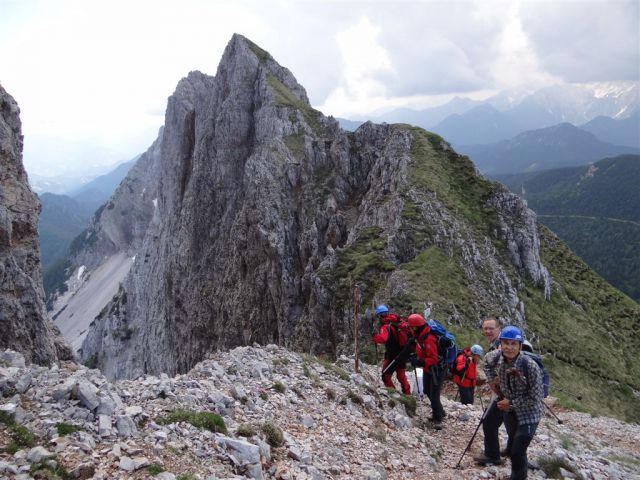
<point>416,362</point>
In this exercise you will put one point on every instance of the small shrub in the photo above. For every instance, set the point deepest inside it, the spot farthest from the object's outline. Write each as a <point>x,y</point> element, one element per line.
<point>410,404</point>
<point>155,469</point>
<point>187,476</point>
<point>331,393</point>
<point>43,470</point>
<point>264,396</point>
<point>6,418</point>
<point>274,434</point>
<point>66,428</point>
<point>355,398</point>
<point>246,430</point>
<point>206,420</point>
<point>22,437</point>
<point>551,467</point>
<point>378,432</point>
<point>279,387</point>
<point>298,392</point>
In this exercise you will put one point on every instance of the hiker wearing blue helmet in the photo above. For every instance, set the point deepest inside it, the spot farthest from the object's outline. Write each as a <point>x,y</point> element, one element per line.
<point>520,397</point>
<point>491,329</point>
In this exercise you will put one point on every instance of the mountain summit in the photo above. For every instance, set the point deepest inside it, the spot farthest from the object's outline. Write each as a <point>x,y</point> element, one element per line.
<point>253,217</point>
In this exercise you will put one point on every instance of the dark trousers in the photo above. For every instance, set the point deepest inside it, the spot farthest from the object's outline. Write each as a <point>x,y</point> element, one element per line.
<point>490,427</point>
<point>432,384</point>
<point>466,395</point>
<point>519,439</point>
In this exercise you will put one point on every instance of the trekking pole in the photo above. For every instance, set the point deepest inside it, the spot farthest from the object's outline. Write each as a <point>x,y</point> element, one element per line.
<point>481,402</point>
<point>397,357</point>
<point>553,413</point>
<point>578,397</point>
<point>484,415</point>
<point>415,372</point>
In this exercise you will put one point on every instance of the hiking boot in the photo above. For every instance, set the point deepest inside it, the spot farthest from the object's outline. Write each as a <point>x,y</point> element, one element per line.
<point>437,425</point>
<point>482,459</point>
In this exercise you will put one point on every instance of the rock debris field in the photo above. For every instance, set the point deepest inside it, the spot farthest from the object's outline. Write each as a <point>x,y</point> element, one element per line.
<point>266,412</point>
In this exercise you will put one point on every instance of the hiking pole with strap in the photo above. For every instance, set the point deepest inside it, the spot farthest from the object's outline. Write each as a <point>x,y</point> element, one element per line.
<point>484,415</point>
<point>553,413</point>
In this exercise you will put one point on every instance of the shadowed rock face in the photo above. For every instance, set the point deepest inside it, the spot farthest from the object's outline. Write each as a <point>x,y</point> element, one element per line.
<point>252,215</point>
<point>24,323</point>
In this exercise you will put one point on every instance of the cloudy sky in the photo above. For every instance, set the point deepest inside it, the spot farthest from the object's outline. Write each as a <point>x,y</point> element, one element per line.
<point>94,76</point>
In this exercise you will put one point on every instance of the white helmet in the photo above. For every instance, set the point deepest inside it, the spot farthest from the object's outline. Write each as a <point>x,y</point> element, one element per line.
<point>527,347</point>
<point>477,350</point>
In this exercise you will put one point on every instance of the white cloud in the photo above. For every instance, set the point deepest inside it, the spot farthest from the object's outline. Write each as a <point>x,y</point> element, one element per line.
<point>101,72</point>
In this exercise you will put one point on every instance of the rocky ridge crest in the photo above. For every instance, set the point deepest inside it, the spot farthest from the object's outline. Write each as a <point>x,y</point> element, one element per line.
<point>24,322</point>
<point>264,213</point>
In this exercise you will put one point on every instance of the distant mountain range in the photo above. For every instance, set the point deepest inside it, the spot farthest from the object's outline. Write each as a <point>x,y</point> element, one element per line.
<point>610,112</point>
<point>63,217</point>
<point>561,145</point>
<point>596,210</point>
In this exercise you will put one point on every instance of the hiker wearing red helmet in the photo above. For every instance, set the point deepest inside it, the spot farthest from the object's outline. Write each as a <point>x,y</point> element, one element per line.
<point>394,335</point>
<point>427,357</point>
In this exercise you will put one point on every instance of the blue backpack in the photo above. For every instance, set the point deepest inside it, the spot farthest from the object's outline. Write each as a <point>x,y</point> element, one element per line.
<point>545,373</point>
<point>447,349</point>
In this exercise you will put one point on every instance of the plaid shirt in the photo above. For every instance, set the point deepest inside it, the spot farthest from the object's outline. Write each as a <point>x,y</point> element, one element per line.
<point>521,383</point>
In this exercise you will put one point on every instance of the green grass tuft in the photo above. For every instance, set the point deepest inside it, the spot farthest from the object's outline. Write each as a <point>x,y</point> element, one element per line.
<point>205,420</point>
<point>66,428</point>
<point>273,434</point>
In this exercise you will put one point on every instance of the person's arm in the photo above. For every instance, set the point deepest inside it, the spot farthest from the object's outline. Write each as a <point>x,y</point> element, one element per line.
<point>431,351</point>
<point>382,336</point>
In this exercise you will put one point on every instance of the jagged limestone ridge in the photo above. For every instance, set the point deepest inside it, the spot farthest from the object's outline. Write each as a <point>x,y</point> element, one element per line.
<point>268,214</point>
<point>24,323</point>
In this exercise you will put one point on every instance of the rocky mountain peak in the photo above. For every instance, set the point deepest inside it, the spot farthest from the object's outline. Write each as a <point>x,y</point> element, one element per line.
<point>24,322</point>
<point>253,215</point>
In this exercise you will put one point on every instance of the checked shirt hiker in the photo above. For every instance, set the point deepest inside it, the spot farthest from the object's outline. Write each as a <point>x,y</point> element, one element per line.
<point>525,394</point>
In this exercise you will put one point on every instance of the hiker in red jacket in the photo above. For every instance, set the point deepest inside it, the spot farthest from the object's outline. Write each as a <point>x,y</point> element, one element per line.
<point>465,373</point>
<point>427,357</point>
<point>394,335</point>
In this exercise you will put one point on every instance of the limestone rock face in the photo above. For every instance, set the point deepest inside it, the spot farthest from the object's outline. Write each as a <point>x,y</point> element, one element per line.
<point>24,323</point>
<point>253,215</point>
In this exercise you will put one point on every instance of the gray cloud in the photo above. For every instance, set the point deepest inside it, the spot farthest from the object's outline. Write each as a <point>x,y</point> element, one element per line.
<point>584,41</point>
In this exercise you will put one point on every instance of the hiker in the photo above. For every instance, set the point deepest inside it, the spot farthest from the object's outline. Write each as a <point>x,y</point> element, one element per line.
<point>427,357</point>
<point>395,336</point>
<point>465,374</point>
<point>520,398</point>
<point>493,419</point>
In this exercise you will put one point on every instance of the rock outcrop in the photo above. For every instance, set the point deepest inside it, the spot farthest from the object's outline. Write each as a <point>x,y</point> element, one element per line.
<point>253,216</point>
<point>280,415</point>
<point>24,323</point>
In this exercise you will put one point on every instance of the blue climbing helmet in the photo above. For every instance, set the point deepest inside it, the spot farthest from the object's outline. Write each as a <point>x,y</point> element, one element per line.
<point>382,310</point>
<point>511,333</point>
<point>477,350</point>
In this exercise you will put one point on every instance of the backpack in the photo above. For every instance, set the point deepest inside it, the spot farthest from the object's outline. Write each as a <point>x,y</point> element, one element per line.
<point>447,348</point>
<point>545,373</point>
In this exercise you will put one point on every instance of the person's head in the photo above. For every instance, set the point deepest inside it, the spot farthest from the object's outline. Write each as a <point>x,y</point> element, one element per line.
<point>382,311</point>
<point>477,351</point>
<point>527,347</point>
<point>491,328</point>
<point>511,339</point>
<point>416,322</point>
